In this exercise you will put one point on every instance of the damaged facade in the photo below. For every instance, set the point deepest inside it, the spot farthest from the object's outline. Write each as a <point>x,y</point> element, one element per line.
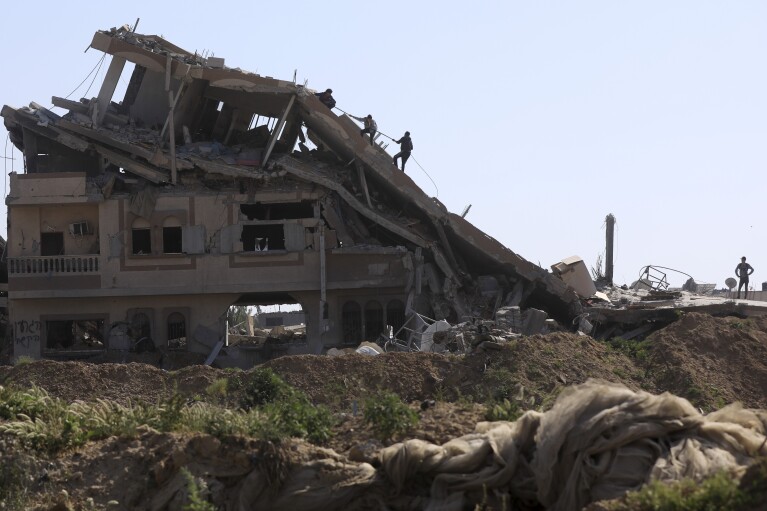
<point>147,217</point>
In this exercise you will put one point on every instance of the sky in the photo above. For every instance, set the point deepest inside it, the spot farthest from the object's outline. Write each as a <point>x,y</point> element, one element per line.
<point>544,116</point>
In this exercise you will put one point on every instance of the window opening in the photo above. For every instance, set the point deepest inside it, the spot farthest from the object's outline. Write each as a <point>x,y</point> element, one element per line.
<point>141,237</point>
<point>395,314</point>
<point>278,211</point>
<point>351,322</point>
<point>51,243</point>
<point>262,238</point>
<point>171,236</point>
<point>75,334</point>
<point>176,331</point>
<point>374,324</point>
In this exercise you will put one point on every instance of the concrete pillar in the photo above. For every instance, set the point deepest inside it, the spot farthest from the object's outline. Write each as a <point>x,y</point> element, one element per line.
<point>610,237</point>
<point>109,86</point>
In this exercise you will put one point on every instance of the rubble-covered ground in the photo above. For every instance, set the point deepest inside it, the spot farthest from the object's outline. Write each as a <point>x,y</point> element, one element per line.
<point>710,361</point>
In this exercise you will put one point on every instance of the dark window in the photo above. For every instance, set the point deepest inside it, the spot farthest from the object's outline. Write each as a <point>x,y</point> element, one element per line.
<point>260,238</point>
<point>374,325</point>
<point>176,331</point>
<point>281,211</point>
<point>142,241</point>
<point>51,243</point>
<point>395,314</point>
<point>351,322</point>
<point>80,334</point>
<point>171,240</point>
<point>140,326</point>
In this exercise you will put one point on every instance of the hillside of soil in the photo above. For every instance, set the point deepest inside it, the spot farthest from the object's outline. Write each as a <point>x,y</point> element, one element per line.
<point>710,361</point>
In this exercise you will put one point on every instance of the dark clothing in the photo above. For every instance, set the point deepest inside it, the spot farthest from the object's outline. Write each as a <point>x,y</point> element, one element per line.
<point>405,144</point>
<point>406,147</point>
<point>742,271</point>
<point>327,99</point>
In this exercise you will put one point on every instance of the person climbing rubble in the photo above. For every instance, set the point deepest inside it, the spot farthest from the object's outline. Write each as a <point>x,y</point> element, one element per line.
<point>406,147</point>
<point>742,271</point>
<point>327,98</point>
<point>371,127</point>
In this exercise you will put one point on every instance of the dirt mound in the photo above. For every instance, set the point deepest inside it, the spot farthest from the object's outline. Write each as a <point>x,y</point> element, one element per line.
<point>711,361</point>
<point>85,381</point>
<point>541,364</point>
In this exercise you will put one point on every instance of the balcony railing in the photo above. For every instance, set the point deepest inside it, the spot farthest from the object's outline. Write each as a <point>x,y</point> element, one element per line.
<point>48,265</point>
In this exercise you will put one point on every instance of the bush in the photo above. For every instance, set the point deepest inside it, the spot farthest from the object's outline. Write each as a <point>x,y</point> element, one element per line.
<point>295,416</point>
<point>218,388</point>
<point>196,493</point>
<point>503,411</point>
<point>264,387</point>
<point>717,493</point>
<point>388,415</point>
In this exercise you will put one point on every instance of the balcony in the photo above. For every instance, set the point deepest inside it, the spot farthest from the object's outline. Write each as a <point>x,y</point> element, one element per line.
<point>53,265</point>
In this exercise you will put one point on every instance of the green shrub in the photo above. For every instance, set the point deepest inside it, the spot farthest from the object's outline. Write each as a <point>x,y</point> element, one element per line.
<point>32,402</point>
<point>264,387</point>
<point>218,388</point>
<point>638,350</point>
<point>196,493</point>
<point>500,382</point>
<point>388,415</point>
<point>294,415</point>
<point>503,411</point>
<point>717,493</point>
<point>23,360</point>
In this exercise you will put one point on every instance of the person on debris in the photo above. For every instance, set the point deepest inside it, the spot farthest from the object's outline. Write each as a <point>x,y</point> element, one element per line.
<point>327,98</point>
<point>370,126</point>
<point>405,148</point>
<point>742,271</point>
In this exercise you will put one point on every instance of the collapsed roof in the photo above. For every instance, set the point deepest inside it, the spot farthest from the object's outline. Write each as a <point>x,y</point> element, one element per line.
<point>187,120</point>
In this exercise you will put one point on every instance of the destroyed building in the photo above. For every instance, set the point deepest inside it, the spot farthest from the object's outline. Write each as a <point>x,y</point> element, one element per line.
<point>147,217</point>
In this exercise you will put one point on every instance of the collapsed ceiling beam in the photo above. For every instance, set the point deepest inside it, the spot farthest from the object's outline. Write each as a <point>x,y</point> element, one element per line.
<point>276,131</point>
<point>299,170</point>
<point>156,156</point>
<point>81,108</point>
<point>131,165</point>
<point>30,122</point>
<point>228,170</point>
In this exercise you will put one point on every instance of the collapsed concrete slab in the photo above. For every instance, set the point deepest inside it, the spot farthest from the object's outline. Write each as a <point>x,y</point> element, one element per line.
<point>148,217</point>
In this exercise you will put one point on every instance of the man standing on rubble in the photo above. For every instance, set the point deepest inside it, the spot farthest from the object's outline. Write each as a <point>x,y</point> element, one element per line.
<point>405,148</point>
<point>742,271</point>
<point>370,126</point>
<point>326,98</point>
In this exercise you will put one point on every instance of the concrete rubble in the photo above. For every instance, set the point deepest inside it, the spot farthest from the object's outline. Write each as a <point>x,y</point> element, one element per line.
<point>198,190</point>
<point>138,222</point>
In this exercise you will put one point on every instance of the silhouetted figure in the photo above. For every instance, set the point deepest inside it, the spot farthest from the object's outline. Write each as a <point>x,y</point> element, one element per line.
<point>405,148</point>
<point>327,98</point>
<point>742,271</point>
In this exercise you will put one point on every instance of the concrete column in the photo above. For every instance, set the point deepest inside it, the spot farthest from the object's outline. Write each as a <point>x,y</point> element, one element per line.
<point>610,233</point>
<point>109,86</point>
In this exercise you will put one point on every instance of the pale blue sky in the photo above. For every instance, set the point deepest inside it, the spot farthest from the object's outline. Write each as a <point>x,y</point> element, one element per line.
<point>545,116</point>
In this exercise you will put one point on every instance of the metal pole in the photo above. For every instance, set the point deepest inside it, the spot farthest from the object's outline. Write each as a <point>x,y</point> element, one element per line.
<point>610,238</point>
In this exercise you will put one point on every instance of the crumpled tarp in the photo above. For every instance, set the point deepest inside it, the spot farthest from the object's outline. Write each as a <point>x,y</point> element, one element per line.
<point>597,442</point>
